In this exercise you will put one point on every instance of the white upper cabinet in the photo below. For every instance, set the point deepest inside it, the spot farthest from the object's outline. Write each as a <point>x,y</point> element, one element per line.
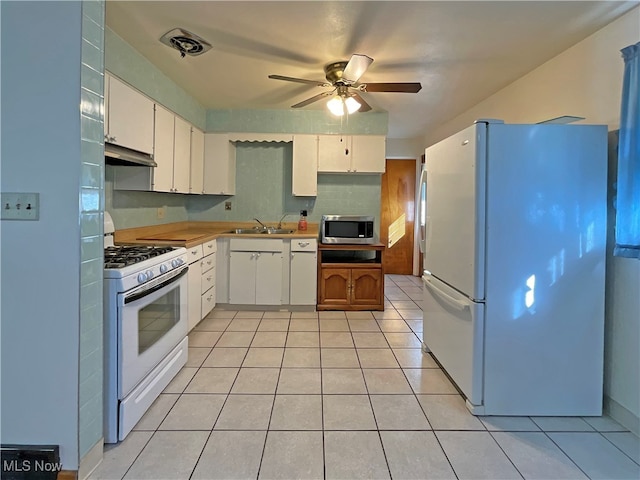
<point>305,166</point>
<point>219,174</point>
<point>334,153</point>
<point>172,152</point>
<point>181,156</point>
<point>351,153</point>
<point>128,116</point>
<point>368,153</point>
<point>196,184</point>
<point>163,155</point>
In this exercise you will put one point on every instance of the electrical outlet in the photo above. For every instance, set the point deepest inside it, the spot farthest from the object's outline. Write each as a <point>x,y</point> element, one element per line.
<point>227,205</point>
<point>20,206</point>
<point>161,212</point>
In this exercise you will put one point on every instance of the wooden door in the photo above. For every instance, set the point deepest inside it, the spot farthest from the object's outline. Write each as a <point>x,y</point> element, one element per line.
<point>397,215</point>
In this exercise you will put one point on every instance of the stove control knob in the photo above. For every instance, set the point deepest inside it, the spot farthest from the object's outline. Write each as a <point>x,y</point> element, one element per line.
<point>149,274</point>
<point>142,277</point>
<point>176,262</point>
<point>163,268</point>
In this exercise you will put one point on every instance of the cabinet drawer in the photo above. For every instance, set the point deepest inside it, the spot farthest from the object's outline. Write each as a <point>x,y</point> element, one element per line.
<point>208,302</point>
<point>304,245</point>
<point>195,253</point>
<point>208,280</point>
<point>209,247</point>
<point>208,262</point>
<point>255,245</point>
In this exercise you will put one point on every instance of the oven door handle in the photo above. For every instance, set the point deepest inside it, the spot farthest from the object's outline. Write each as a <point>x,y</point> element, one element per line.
<point>148,291</point>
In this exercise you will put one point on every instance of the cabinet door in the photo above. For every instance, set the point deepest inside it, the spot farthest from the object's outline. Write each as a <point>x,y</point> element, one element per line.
<point>197,161</point>
<point>366,286</point>
<point>219,165</point>
<point>242,281</point>
<point>181,156</point>
<point>130,117</point>
<point>163,150</point>
<point>334,153</point>
<point>208,301</point>
<point>268,280</point>
<point>303,278</point>
<point>369,153</point>
<point>304,178</point>
<point>194,294</point>
<point>335,286</point>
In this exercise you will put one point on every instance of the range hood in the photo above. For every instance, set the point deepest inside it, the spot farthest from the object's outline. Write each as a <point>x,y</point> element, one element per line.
<point>117,155</point>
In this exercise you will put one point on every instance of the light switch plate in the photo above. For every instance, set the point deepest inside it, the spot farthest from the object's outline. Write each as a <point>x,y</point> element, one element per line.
<point>20,206</point>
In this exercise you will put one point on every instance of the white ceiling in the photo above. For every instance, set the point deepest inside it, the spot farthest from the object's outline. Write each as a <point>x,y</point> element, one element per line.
<point>461,52</point>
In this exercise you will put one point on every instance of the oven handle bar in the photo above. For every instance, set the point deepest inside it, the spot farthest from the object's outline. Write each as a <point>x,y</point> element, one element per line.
<point>148,291</point>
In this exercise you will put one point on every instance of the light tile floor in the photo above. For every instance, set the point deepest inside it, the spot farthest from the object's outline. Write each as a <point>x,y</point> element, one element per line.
<point>340,395</point>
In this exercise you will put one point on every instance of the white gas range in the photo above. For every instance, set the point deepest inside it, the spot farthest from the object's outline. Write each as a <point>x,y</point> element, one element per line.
<point>145,328</point>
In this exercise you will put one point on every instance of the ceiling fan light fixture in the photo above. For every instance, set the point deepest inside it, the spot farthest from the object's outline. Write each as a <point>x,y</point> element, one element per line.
<point>336,106</point>
<point>341,104</point>
<point>352,105</point>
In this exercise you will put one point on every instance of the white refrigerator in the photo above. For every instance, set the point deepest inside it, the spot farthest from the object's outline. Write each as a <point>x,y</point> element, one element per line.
<point>514,262</point>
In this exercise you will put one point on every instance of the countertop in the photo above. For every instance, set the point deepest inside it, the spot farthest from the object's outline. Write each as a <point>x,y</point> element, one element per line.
<point>188,234</point>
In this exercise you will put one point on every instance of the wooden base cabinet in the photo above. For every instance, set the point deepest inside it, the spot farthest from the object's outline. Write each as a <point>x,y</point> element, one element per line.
<point>348,283</point>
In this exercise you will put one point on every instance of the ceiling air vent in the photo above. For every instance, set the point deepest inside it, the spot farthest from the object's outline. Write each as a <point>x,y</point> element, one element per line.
<point>185,42</point>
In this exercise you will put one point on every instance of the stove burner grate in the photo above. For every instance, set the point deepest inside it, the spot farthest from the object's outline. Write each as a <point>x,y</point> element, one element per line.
<point>121,256</point>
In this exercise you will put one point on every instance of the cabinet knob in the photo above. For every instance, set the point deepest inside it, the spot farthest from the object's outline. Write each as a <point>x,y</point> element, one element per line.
<point>303,244</point>
<point>293,254</point>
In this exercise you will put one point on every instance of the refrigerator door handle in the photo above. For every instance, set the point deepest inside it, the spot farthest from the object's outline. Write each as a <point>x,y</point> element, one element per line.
<point>457,304</point>
<point>422,210</point>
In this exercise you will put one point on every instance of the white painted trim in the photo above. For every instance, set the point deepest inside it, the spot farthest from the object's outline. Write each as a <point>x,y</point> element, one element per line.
<point>622,415</point>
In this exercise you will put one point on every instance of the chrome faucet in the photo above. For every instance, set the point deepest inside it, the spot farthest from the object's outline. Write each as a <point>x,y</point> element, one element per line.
<point>261,224</point>
<point>280,222</point>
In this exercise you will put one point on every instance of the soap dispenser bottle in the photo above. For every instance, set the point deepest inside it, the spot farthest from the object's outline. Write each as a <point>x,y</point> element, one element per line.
<point>302,223</point>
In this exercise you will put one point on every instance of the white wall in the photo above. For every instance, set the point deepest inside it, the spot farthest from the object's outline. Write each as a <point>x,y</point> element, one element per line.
<point>585,81</point>
<point>41,259</point>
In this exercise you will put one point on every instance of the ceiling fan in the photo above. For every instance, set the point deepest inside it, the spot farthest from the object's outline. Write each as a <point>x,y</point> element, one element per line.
<point>343,77</point>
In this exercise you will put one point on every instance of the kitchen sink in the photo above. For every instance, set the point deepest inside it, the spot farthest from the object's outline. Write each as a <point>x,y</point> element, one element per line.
<point>257,231</point>
<point>278,231</point>
<point>251,231</point>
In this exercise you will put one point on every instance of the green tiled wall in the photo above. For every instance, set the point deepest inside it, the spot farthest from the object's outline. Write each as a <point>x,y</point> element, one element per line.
<point>263,190</point>
<point>91,225</point>
<point>296,121</point>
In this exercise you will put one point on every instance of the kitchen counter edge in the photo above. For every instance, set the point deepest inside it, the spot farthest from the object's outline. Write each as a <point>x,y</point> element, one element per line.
<point>202,232</point>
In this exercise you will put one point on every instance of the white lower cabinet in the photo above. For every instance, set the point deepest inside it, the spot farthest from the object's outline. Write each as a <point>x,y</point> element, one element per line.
<point>255,271</point>
<point>202,281</point>
<point>303,277</point>
<point>208,278</point>
<point>194,279</point>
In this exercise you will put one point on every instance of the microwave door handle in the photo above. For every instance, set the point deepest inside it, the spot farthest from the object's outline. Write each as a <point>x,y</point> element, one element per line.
<point>138,294</point>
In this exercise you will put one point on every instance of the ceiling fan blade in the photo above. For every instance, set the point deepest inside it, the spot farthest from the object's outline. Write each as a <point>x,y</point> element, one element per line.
<point>356,67</point>
<point>391,87</point>
<point>315,98</point>
<point>300,80</point>
<point>364,106</point>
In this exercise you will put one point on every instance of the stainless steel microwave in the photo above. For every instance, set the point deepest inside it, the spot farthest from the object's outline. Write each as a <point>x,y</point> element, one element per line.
<point>354,229</point>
